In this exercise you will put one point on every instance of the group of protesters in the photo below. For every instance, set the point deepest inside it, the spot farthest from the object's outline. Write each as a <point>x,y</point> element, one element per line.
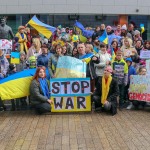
<point>109,69</point>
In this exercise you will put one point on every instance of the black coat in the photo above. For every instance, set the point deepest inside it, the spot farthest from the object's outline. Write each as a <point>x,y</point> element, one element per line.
<point>113,92</point>
<point>36,93</point>
<point>90,71</point>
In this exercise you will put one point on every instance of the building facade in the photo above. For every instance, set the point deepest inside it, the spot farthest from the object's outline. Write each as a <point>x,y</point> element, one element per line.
<point>89,12</point>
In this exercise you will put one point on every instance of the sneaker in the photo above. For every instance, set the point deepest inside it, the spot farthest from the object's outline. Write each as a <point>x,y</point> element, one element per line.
<point>130,106</point>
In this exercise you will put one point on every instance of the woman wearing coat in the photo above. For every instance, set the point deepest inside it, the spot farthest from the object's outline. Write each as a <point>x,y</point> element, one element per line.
<point>22,39</point>
<point>40,92</point>
<point>107,90</point>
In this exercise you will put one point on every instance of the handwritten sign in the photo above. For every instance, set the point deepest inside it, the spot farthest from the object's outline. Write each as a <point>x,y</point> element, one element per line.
<point>6,46</point>
<point>71,94</point>
<point>145,54</point>
<point>140,88</point>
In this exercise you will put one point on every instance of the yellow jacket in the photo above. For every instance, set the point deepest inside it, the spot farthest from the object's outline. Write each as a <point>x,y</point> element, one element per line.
<point>22,41</point>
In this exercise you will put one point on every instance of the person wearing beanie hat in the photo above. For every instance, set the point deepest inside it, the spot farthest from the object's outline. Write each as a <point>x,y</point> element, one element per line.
<point>137,36</point>
<point>109,30</point>
<point>131,71</point>
<point>107,90</point>
<point>22,39</point>
<point>124,27</point>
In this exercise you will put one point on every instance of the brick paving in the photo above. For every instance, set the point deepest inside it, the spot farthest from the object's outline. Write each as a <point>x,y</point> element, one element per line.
<point>23,130</point>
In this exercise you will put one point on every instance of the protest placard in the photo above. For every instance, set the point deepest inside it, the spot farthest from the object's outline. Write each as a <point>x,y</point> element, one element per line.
<point>140,88</point>
<point>145,54</point>
<point>6,46</point>
<point>70,95</point>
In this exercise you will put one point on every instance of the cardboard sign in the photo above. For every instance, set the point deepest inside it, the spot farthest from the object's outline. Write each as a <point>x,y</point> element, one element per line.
<point>145,54</point>
<point>140,88</point>
<point>70,95</point>
<point>6,46</point>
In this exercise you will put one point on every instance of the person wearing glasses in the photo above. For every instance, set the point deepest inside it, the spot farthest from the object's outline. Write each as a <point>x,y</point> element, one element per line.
<point>107,90</point>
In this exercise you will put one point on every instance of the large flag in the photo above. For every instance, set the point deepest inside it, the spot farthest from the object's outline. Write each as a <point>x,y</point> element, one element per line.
<point>17,85</point>
<point>142,28</point>
<point>104,38</point>
<point>41,27</point>
<point>69,67</point>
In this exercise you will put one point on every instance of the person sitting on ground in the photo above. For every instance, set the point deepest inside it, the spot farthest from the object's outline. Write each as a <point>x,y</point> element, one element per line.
<point>40,92</point>
<point>107,90</point>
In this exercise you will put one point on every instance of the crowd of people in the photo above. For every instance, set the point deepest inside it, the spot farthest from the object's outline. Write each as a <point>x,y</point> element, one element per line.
<point>109,69</point>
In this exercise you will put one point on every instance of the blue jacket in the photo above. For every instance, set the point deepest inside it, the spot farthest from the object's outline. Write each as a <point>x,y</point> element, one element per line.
<point>131,71</point>
<point>42,60</point>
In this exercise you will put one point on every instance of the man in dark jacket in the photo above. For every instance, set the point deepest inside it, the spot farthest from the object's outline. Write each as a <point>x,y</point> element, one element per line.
<point>90,70</point>
<point>107,90</point>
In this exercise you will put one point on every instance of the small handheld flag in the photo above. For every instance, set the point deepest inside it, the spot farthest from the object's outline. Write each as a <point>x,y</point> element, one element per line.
<point>15,58</point>
<point>142,28</point>
<point>104,38</point>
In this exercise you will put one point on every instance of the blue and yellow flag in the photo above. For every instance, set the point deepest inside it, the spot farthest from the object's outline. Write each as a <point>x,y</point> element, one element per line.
<point>15,58</point>
<point>95,50</point>
<point>142,28</point>
<point>112,55</point>
<point>104,38</point>
<point>41,27</point>
<point>85,33</point>
<point>17,85</point>
<point>70,67</point>
<point>87,57</point>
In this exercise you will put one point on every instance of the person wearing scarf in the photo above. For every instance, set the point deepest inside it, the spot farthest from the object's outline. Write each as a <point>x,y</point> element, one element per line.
<point>107,90</point>
<point>40,92</point>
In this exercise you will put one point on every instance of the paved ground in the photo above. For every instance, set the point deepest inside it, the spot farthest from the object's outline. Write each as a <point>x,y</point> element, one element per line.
<point>23,130</point>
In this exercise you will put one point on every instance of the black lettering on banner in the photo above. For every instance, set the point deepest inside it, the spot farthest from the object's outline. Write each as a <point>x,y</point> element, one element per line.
<point>84,84</point>
<point>56,87</point>
<point>58,103</point>
<point>65,86</point>
<point>69,103</point>
<point>75,87</point>
<point>80,102</point>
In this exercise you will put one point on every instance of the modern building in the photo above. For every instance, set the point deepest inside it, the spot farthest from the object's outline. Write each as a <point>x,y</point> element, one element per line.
<point>89,12</point>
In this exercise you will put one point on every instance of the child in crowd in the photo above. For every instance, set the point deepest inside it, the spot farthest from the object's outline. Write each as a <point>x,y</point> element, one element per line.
<point>120,72</point>
<point>131,71</point>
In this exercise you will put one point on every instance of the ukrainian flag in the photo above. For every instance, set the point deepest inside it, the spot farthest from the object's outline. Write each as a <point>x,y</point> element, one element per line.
<point>41,27</point>
<point>16,85</point>
<point>142,28</point>
<point>95,50</point>
<point>112,55</point>
<point>87,57</point>
<point>104,37</point>
<point>15,58</point>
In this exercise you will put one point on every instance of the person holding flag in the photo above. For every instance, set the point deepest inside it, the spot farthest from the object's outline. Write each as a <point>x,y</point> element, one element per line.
<point>87,53</point>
